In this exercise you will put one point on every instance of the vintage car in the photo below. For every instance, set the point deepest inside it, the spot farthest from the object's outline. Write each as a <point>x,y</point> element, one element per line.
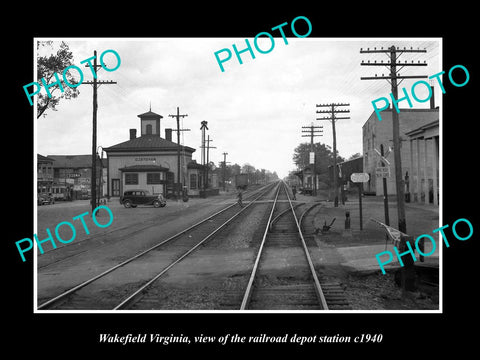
<point>132,198</point>
<point>43,199</point>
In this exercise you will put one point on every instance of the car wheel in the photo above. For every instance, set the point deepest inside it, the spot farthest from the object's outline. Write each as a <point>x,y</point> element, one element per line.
<point>127,203</point>
<point>156,203</point>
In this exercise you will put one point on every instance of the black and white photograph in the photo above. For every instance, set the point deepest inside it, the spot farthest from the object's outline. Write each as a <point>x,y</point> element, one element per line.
<point>269,181</point>
<point>221,185</point>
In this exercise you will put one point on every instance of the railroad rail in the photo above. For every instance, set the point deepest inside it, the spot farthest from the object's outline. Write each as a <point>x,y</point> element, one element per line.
<point>273,286</point>
<point>197,234</point>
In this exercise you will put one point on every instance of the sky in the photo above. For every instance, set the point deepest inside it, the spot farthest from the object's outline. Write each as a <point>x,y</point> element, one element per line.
<point>255,110</point>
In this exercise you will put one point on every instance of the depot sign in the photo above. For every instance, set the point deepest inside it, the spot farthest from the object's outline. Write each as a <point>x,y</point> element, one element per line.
<point>359,177</point>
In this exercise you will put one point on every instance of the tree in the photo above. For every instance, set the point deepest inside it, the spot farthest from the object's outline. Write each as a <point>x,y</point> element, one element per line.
<point>354,156</point>
<point>47,66</point>
<point>323,154</point>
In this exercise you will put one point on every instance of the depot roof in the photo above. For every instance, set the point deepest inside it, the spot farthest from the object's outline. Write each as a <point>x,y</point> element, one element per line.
<point>147,142</point>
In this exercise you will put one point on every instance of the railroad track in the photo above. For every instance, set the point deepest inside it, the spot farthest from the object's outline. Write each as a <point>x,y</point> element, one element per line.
<point>121,285</point>
<point>283,276</point>
<point>65,252</point>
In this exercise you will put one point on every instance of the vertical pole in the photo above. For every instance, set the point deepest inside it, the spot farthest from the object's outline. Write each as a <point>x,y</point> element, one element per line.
<point>435,169</point>
<point>206,169</point>
<point>425,173</point>
<point>360,186</point>
<point>385,192</point>
<point>412,180</point>
<point>402,224</point>
<point>418,187</point>
<point>93,184</point>
<point>224,168</point>
<point>335,180</point>
<point>314,172</point>
<point>178,154</point>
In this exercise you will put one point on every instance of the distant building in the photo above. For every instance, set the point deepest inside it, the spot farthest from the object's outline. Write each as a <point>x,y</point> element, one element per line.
<point>44,174</point>
<point>72,176</point>
<point>419,135</point>
<point>345,170</point>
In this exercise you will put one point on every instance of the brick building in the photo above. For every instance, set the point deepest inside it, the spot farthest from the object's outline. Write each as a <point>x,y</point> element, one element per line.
<point>419,135</point>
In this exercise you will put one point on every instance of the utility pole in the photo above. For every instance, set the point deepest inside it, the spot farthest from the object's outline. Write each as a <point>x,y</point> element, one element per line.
<point>178,116</point>
<point>333,117</point>
<point>203,128</point>
<point>394,53</point>
<point>224,167</point>
<point>96,83</point>
<point>208,160</point>
<point>312,130</point>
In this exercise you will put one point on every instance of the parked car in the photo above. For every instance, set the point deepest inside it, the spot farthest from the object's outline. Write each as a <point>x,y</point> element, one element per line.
<point>132,198</point>
<point>43,199</point>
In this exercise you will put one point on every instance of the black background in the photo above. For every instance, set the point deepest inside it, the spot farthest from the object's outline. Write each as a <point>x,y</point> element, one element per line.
<point>61,335</point>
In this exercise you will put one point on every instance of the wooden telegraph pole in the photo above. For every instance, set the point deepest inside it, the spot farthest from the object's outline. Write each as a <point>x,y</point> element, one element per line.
<point>203,128</point>
<point>208,159</point>
<point>96,83</point>
<point>333,117</point>
<point>394,53</point>
<point>178,130</point>
<point>224,167</point>
<point>312,130</point>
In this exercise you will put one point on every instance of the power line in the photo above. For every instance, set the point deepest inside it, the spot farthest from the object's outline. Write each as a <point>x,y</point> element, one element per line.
<point>333,117</point>
<point>394,53</point>
<point>178,130</point>
<point>311,131</point>
<point>96,83</point>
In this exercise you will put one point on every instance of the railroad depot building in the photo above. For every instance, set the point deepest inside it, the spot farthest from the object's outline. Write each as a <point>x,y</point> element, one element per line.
<point>419,138</point>
<point>150,162</point>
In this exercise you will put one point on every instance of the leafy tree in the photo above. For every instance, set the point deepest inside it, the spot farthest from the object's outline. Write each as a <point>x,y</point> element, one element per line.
<point>47,66</point>
<point>323,154</point>
<point>354,156</point>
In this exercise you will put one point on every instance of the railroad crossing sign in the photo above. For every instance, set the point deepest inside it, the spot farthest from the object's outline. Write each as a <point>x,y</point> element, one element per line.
<point>359,177</point>
<point>383,157</point>
<point>383,171</point>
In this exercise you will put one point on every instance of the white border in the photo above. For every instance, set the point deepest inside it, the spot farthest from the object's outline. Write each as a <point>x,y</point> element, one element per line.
<point>35,142</point>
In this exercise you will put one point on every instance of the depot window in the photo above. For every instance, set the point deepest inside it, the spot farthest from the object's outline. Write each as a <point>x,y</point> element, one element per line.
<point>131,179</point>
<point>193,181</point>
<point>153,178</point>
